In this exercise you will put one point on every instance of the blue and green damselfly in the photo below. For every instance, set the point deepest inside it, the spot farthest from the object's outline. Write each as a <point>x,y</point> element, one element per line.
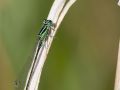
<point>42,36</point>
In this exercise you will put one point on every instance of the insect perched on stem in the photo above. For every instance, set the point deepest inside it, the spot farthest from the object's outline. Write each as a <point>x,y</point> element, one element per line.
<point>42,36</point>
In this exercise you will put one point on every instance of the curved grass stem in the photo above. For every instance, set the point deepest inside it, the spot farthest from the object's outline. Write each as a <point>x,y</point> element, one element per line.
<point>56,15</point>
<point>117,78</point>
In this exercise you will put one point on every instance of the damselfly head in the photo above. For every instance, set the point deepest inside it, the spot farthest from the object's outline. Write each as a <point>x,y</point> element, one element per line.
<point>48,22</point>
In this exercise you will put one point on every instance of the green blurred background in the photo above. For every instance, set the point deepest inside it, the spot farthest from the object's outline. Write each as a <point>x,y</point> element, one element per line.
<point>83,55</point>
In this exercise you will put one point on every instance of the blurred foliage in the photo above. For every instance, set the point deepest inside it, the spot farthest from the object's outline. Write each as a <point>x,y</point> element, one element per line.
<point>83,55</point>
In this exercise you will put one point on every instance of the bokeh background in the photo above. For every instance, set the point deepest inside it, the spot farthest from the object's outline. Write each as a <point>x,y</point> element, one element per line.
<point>84,52</point>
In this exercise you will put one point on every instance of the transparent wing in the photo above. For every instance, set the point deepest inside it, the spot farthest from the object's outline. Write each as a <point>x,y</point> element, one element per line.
<point>29,66</point>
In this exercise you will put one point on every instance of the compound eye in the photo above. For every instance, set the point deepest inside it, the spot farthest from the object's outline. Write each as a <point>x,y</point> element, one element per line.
<point>44,22</point>
<point>50,22</point>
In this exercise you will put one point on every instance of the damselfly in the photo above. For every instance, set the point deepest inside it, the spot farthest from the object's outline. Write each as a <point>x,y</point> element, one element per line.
<point>43,35</point>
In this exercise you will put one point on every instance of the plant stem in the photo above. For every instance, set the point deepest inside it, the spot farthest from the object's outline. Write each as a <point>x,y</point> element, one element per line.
<point>56,14</point>
<point>117,78</point>
<point>119,2</point>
